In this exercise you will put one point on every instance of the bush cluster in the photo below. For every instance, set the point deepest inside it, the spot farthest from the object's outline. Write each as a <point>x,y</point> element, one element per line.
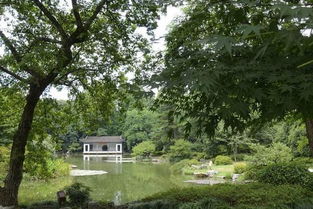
<point>143,149</point>
<point>240,167</point>
<point>276,153</point>
<point>78,194</point>
<point>50,168</point>
<point>180,150</point>
<point>286,173</point>
<point>223,160</point>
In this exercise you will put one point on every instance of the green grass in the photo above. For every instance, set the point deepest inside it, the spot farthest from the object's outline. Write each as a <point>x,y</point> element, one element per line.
<point>224,170</point>
<point>31,192</point>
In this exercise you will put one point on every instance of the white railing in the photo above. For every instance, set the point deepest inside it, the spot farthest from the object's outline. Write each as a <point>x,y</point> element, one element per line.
<point>101,152</point>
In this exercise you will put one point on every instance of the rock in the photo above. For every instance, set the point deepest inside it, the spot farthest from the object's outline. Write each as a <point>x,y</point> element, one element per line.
<point>212,172</point>
<point>235,177</point>
<point>86,172</point>
<point>205,181</point>
<point>7,207</point>
<point>203,166</point>
<point>200,175</point>
<point>73,166</point>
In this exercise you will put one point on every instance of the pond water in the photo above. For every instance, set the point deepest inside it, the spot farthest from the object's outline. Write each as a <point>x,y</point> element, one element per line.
<point>124,182</point>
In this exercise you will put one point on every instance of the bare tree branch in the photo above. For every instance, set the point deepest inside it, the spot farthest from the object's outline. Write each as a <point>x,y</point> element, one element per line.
<point>76,14</point>
<point>52,19</point>
<point>16,55</point>
<point>85,27</point>
<point>50,40</point>
<point>95,13</point>
<point>9,44</point>
<point>13,74</point>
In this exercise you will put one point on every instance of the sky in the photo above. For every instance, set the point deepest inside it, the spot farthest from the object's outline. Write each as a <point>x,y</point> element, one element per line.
<point>160,32</point>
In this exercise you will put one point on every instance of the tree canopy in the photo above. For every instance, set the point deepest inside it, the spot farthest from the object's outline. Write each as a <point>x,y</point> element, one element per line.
<point>67,43</point>
<point>241,62</point>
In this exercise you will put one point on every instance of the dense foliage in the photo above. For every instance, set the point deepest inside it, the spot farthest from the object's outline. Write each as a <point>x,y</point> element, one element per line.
<point>275,153</point>
<point>286,173</point>
<point>240,63</point>
<point>240,167</point>
<point>223,160</point>
<point>144,149</point>
<point>78,194</point>
<point>180,150</point>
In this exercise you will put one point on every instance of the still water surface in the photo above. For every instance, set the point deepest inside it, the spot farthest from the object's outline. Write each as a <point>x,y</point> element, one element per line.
<point>124,182</point>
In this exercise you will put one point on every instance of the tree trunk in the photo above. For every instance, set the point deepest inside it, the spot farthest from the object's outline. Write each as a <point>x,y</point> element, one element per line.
<point>9,193</point>
<point>309,132</point>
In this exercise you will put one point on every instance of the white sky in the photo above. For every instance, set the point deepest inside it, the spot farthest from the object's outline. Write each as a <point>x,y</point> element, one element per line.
<point>160,32</point>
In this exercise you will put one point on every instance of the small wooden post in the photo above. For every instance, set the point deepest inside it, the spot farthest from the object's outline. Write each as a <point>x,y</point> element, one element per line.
<point>61,196</point>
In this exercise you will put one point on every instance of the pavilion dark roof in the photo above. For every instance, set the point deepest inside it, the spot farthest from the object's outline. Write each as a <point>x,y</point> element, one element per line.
<point>89,139</point>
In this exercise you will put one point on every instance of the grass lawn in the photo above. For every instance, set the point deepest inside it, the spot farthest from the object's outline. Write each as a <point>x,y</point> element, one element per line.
<point>223,170</point>
<point>31,192</point>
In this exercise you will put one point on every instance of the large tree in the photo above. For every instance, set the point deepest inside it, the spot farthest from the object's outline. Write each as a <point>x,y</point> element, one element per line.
<point>64,43</point>
<point>242,62</point>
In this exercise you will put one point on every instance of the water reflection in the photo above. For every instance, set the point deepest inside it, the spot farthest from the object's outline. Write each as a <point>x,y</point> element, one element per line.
<point>126,181</point>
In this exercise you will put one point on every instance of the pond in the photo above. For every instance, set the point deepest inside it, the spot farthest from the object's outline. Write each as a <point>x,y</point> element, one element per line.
<point>124,182</point>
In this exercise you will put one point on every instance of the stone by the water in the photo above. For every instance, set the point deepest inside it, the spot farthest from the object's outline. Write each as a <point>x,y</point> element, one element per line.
<point>205,181</point>
<point>86,172</point>
<point>73,166</point>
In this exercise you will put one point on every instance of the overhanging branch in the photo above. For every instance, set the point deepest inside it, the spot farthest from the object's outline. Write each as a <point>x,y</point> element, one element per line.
<point>3,69</point>
<point>76,14</point>
<point>9,44</point>
<point>52,19</point>
<point>95,13</point>
<point>17,55</point>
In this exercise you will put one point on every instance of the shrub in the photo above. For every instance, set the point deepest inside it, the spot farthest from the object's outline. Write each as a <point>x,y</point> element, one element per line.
<point>199,155</point>
<point>240,167</point>
<point>286,173</point>
<point>179,167</point>
<point>276,153</point>
<point>223,160</point>
<point>243,196</point>
<point>180,150</point>
<point>46,169</point>
<point>306,161</point>
<point>78,194</point>
<point>143,149</point>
